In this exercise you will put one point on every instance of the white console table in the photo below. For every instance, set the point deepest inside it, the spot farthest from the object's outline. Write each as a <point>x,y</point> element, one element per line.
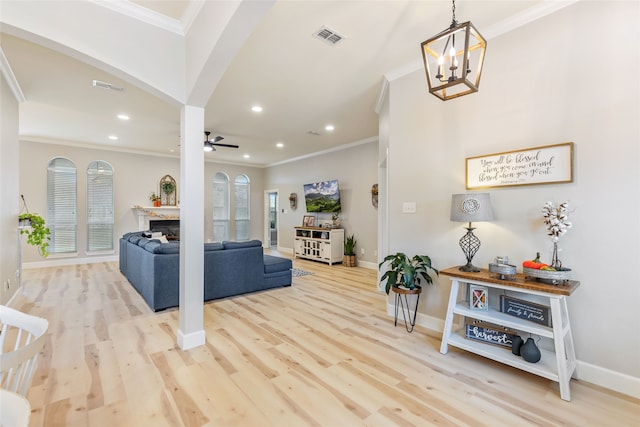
<point>319,244</point>
<point>558,365</point>
<point>162,212</point>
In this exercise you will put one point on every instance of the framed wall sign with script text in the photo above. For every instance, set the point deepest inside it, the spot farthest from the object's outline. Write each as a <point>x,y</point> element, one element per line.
<point>550,164</point>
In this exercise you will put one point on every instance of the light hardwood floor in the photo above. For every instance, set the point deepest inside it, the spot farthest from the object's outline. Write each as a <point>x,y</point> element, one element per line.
<point>322,352</point>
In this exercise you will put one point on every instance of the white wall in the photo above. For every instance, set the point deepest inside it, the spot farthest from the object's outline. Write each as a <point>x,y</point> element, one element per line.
<point>355,168</point>
<point>135,176</point>
<point>9,208</point>
<point>571,76</point>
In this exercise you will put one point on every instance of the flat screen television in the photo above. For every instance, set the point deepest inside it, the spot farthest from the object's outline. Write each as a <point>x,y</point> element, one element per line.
<point>322,196</point>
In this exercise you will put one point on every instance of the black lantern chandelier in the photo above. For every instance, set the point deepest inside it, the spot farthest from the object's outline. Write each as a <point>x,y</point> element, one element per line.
<point>453,59</point>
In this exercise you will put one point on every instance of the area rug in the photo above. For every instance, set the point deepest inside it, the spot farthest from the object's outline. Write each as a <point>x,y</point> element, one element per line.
<point>297,272</point>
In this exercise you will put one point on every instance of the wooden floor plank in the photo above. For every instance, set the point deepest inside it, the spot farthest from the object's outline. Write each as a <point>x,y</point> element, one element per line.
<point>322,352</point>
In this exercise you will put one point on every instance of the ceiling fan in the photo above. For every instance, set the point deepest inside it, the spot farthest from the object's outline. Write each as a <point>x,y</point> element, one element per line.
<point>209,145</point>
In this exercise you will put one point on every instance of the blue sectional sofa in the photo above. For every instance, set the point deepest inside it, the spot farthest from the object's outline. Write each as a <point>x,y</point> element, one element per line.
<point>230,268</point>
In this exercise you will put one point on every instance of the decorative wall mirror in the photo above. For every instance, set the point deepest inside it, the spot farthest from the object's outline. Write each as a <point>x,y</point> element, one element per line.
<point>168,191</point>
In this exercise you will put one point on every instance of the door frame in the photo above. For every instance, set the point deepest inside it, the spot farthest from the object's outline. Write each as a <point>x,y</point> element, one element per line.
<point>266,239</point>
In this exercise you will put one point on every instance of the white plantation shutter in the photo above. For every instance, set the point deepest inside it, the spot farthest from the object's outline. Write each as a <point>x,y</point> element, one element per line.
<point>61,205</point>
<point>99,206</point>
<point>220,207</point>
<point>241,199</point>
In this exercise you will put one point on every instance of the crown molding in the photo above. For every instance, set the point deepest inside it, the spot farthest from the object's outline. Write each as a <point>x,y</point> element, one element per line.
<point>384,91</point>
<point>526,16</point>
<point>143,14</point>
<point>12,82</point>
<point>328,150</point>
<point>190,14</point>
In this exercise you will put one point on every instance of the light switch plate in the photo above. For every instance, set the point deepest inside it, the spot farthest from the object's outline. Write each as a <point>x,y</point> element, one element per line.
<point>409,207</point>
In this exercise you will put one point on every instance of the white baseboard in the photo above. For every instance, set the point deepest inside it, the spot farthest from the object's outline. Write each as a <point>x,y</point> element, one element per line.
<point>57,262</point>
<point>9,303</point>
<point>424,320</point>
<point>368,264</point>
<point>607,378</point>
<point>191,340</point>
<point>364,264</point>
<point>603,377</point>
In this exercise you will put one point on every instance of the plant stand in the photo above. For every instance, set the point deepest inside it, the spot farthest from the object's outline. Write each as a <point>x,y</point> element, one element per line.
<point>402,303</point>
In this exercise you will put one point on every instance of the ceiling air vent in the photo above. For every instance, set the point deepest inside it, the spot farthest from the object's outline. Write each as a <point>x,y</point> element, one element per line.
<point>105,85</point>
<point>328,35</point>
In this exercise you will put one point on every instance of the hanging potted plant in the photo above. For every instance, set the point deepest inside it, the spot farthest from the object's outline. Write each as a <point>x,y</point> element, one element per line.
<point>38,234</point>
<point>350,251</point>
<point>168,187</point>
<point>405,274</point>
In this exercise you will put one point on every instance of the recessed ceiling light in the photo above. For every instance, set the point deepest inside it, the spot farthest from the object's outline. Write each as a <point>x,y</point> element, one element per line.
<point>279,145</point>
<point>256,109</point>
<point>246,156</point>
<point>329,127</point>
<point>113,137</point>
<point>123,117</point>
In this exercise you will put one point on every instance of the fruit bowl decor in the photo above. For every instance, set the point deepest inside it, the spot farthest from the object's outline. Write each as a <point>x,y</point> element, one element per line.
<point>552,277</point>
<point>544,272</point>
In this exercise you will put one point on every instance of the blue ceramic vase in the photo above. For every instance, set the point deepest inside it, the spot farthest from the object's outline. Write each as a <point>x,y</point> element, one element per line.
<point>530,351</point>
<point>516,345</point>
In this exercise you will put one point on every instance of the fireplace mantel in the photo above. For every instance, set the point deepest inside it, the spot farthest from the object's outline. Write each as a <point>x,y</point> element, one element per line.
<point>149,212</point>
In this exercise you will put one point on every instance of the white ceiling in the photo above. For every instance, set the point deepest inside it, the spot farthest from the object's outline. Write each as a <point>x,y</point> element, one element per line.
<point>301,82</point>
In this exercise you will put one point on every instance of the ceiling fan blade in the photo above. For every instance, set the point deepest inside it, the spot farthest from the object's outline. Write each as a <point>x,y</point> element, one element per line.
<point>226,145</point>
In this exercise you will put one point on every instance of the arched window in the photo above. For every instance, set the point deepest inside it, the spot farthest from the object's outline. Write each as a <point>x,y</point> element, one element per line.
<point>99,206</point>
<point>61,205</point>
<point>241,193</point>
<point>220,207</point>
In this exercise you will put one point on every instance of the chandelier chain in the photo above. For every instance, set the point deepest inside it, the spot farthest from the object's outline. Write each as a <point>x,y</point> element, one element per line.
<point>453,13</point>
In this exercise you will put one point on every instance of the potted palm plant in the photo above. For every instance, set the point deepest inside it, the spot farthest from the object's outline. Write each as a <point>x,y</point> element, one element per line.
<point>38,234</point>
<point>350,251</point>
<point>405,274</point>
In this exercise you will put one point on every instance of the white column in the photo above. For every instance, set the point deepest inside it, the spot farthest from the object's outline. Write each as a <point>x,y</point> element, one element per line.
<point>191,327</point>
